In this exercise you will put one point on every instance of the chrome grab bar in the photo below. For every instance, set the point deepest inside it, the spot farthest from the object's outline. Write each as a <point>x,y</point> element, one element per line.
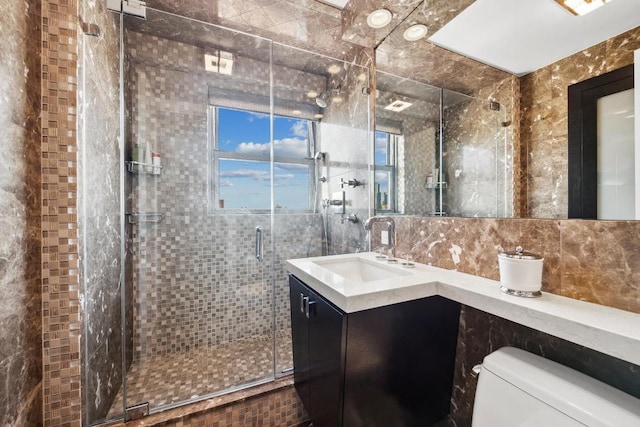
<point>259,256</point>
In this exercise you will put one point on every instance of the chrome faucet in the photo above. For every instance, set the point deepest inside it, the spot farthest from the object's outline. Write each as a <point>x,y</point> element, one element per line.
<point>391,229</point>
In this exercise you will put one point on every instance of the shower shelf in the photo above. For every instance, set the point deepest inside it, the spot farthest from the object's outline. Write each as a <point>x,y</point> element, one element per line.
<point>437,185</point>
<point>138,217</point>
<point>140,168</point>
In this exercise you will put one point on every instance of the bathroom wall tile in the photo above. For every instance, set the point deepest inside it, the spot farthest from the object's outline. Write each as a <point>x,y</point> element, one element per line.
<point>601,262</point>
<point>472,245</point>
<point>537,85</point>
<point>578,67</point>
<point>547,176</point>
<point>620,49</point>
<point>20,279</point>
<point>544,117</point>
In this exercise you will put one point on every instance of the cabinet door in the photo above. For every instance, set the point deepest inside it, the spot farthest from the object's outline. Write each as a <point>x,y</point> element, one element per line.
<point>300,340</point>
<point>327,334</point>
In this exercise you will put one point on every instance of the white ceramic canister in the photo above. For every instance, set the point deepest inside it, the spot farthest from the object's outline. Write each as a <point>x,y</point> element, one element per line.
<point>520,273</point>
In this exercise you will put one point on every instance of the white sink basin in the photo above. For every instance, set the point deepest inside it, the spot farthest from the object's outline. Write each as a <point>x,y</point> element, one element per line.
<point>361,270</point>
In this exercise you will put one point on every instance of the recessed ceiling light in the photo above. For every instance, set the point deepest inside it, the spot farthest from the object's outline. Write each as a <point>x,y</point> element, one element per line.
<point>296,112</point>
<point>337,99</point>
<point>581,7</point>
<point>312,94</point>
<point>334,69</point>
<point>379,18</point>
<point>318,116</point>
<point>415,32</point>
<point>398,106</point>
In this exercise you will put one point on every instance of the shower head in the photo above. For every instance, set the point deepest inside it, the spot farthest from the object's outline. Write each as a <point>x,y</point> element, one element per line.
<point>322,99</point>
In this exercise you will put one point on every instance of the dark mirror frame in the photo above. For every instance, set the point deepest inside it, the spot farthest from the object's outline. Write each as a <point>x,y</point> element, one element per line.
<point>583,137</point>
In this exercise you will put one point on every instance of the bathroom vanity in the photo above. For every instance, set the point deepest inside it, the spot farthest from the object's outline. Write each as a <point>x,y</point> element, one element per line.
<point>386,366</point>
<point>351,351</point>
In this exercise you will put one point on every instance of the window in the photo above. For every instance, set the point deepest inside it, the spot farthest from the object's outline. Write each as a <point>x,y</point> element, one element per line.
<point>385,171</point>
<point>240,164</point>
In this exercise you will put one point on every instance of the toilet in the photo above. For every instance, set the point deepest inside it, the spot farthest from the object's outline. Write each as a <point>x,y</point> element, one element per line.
<point>517,388</point>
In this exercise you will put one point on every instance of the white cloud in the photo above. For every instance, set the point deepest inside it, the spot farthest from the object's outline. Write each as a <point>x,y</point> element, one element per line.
<point>292,167</point>
<point>299,129</point>
<point>288,147</point>
<point>283,177</point>
<point>381,144</point>
<point>251,174</point>
<point>253,116</point>
<point>382,178</point>
<point>246,173</point>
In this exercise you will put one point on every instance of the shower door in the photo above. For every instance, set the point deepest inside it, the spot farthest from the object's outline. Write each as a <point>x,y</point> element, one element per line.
<point>199,291</point>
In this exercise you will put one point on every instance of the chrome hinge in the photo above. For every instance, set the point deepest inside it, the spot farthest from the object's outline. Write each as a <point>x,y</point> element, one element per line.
<point>136,412</point>
<point>129,7</point>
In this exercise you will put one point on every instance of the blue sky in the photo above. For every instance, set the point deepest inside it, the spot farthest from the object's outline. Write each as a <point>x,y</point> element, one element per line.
<point>246,184</point>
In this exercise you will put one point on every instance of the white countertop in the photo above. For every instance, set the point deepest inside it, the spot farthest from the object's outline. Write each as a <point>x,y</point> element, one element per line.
<point>608,330</point>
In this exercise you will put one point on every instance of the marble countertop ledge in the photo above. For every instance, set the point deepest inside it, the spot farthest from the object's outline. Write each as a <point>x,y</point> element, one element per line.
<point>605,329</point>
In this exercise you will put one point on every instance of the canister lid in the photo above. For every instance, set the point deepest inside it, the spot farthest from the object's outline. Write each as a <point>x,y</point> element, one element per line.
<point>519,253</point>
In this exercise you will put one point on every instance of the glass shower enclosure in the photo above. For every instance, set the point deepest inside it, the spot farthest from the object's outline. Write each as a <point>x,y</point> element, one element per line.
<point>212,143</point>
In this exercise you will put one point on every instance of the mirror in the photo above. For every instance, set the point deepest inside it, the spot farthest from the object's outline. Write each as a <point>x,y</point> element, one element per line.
<point>439,152</point>
<point>534,105</point>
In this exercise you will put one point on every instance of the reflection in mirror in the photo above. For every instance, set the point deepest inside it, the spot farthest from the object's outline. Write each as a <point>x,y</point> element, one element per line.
<point>440,153</point>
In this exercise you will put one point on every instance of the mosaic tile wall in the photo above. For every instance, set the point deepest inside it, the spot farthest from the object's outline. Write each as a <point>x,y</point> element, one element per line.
<point>99,206</point>
<point>20,193</point>
<point>544,118</point>
<point>195,275</point>
<point>61,326</point>
<point>417,157</point>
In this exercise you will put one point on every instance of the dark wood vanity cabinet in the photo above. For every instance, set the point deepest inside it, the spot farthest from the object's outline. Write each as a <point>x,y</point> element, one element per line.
<point>389,366</point>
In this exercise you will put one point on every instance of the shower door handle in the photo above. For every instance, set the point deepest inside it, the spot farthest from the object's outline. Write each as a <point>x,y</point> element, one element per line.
<point>259,256</point>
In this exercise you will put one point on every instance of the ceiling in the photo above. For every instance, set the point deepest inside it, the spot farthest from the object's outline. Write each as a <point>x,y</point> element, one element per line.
<point>522,36</point>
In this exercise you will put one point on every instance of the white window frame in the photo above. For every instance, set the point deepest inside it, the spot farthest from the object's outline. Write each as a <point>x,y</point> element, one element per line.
<point>216,155</point>
<point>392,168</point>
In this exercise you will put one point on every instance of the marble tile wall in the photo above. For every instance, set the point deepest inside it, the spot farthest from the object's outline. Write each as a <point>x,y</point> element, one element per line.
<point>99,236</point>
<point>594,261</point>
<point>544,119</point>
<point>20,192</point>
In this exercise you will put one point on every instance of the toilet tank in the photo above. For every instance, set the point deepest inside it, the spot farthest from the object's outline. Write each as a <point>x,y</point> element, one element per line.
<point>517,388</point>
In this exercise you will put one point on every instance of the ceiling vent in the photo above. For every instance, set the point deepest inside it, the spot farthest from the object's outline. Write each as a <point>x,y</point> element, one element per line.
<point>221,62</point>
<point>398,106</point>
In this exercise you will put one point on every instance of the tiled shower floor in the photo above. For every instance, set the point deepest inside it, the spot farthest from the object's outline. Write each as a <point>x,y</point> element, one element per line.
<point>176,377</point>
